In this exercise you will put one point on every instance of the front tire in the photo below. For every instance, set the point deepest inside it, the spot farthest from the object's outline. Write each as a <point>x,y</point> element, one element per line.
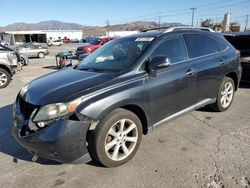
<point>4,78</point>
<point>225,95</point>
<point>116,138</point>
<point>23,62</point>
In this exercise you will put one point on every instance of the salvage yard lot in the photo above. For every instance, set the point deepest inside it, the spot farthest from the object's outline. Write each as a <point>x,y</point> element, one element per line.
<point>200,149</point>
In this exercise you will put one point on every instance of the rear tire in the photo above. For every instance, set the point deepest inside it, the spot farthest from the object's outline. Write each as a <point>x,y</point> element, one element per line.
<point>116,138</point>
<point>4,78</point>
<point>41,55</point>
<point>225,95</point>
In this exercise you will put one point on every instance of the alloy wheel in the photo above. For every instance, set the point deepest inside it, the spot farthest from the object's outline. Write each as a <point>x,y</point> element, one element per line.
<point>227,94</point>
<point>3,78</point>
<point>121,140</point>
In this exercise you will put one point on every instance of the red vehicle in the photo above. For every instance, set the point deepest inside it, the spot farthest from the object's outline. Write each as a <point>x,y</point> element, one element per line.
<point>91,45</point>
<point>66,40</point>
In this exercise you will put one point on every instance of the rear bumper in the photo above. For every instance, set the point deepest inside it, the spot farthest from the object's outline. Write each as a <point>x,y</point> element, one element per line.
<point>63,141</point>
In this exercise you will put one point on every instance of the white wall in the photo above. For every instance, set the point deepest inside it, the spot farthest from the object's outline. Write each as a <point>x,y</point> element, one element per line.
<point>121,33</point>
<point>54,35</point>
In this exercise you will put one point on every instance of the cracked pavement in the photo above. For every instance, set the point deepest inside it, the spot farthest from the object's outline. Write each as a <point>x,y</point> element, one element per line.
<point>200,149</point>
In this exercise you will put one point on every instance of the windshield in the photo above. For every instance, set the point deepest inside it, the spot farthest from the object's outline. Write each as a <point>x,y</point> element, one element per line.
<point>115,55</point>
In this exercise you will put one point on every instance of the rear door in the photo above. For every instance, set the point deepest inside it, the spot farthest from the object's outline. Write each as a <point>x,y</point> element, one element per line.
<point>174,87</point>
<point>209,62</point>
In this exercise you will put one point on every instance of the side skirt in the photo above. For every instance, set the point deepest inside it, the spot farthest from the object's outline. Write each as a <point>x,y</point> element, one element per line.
<point>182,112</point>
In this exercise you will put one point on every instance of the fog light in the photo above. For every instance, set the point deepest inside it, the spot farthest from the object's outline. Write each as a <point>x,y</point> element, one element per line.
<point>41,124</point>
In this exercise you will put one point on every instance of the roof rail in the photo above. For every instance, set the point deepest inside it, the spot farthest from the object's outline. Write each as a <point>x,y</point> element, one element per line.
<point>188,28</point>
<point>176,28</point>
<point>154,29</point>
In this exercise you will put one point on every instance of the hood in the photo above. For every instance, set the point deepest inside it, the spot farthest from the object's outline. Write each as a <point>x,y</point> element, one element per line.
<point>61,85</point>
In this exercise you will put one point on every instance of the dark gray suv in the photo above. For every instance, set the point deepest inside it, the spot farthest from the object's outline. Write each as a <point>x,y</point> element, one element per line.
<point>126,88</point>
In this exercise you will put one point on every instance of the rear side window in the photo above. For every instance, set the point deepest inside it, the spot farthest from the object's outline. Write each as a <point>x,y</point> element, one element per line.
<point>199,45</point>
<point>173,48</point>
<point>221,47</point>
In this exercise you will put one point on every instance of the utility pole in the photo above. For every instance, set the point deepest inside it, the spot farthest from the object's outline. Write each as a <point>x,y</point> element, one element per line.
<point>159,21</point>
<point>107,33</point>
<point>193,9</point>
<point>246,22</point>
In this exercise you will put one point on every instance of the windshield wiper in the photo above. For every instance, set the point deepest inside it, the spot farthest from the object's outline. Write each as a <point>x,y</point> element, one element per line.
<point>93,70</point>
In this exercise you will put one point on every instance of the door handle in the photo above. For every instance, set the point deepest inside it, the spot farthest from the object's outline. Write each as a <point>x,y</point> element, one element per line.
<point>190,72</point>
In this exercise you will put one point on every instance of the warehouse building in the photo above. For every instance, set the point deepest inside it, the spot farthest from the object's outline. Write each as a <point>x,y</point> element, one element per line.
<point>42,36</point>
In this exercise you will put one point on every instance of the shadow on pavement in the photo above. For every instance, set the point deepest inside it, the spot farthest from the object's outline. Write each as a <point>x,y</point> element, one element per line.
<point>8,145</point>
<point>245,85</point>
<point>52,67</point>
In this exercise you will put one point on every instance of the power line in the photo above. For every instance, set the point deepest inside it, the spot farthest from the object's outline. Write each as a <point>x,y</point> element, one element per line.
<point>235,4</point>
<point>157,14</point>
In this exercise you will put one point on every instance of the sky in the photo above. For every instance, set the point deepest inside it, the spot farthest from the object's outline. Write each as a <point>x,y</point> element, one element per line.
<point>94,12</point>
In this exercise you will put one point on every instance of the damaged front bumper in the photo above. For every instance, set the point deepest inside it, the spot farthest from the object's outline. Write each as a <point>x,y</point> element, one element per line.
<point>63,140</point>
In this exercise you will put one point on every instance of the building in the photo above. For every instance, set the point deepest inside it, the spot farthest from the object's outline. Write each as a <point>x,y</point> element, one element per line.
<point>120,33</point>
<point>42,36</point>
<point>5,37</point>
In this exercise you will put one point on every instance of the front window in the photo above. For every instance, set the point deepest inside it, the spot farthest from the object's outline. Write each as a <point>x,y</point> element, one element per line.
<point>115,55</point>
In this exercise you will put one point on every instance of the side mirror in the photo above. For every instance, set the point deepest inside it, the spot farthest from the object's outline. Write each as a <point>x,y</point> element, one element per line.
<point>157,62</point>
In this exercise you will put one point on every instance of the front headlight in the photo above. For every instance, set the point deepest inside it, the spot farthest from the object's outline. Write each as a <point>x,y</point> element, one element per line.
<point>24,90</point>
<point>55,111</point>
<point>12,57</point>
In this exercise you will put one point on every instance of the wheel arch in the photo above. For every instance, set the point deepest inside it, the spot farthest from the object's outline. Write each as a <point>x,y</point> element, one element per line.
<point>138,111</point>
<point>6,68</point>
<point>40,53</point>
<point>234,76</point>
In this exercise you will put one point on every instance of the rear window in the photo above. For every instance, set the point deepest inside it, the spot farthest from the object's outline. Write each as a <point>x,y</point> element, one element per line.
<point>200,45</point>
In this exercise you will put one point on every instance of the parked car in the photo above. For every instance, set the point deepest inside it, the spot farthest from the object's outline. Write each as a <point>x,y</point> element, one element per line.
<point>32,50</point>
<point>66,40</point>
<point>125,89</point>
<point>24,60</point>
<point>241,41</point>
<point>54,43</point>
<point>74,41</point>
<point>9,61</point>
<point>4,43</point>
<point>92,45</point>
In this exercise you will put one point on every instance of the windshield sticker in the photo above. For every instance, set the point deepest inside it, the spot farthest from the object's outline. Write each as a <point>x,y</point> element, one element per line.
<point>145,39</point>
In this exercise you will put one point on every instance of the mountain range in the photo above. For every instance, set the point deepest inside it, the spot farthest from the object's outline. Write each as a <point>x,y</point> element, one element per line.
<point>58,25</point>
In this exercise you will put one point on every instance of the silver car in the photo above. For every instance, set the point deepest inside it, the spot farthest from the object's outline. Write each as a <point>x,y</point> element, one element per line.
<point>9,61</point>
<point>32,50</point>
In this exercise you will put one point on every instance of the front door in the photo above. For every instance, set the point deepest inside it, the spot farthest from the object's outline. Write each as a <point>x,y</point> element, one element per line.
<point>173,88</point>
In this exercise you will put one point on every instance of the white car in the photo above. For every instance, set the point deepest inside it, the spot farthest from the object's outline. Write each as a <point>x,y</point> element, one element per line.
<point>55,43</point>
<point>4,43</point>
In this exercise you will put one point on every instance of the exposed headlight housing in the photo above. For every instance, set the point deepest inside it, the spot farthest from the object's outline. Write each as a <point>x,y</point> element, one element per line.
<point>24,90</point>
<point>55,111</point>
